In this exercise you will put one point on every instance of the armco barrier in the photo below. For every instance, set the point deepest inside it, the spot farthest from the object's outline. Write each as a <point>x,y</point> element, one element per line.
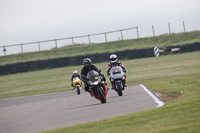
<point>23,67</point>
<point>53,63</point>
<point>63,61</point>
<point>130,54</point>
<point>101,57</point>
<point>120,54</point>
<point>189,48</point>
<point>4,70</point>
<point>13,68</point>
<point>34,66</point>
<point>96,58</point>
<point>149,52</point>
<point>140,53</point>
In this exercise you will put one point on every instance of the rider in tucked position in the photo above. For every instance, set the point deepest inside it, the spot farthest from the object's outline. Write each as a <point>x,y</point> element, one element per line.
<point>84,71</point>
<point>75,74</point>
<point>115,62</point>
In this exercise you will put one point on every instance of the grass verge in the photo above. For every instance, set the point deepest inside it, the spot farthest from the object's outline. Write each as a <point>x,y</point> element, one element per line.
<point>161,41</point>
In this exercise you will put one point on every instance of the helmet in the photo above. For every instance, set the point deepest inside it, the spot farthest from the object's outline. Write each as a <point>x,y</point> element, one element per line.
<point>113,58</point>
<point>75,72</point>
<point>87,62</point>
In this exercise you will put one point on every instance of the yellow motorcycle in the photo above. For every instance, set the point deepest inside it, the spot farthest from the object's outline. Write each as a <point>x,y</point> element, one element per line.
<point>77,85</point>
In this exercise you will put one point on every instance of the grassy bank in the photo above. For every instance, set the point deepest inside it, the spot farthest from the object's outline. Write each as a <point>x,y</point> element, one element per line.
<point>161,41</point>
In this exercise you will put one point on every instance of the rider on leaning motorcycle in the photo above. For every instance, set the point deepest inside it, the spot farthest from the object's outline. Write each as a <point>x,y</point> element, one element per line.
<point>115,62</point>
<point>75,74</point>
<point>84,71</point>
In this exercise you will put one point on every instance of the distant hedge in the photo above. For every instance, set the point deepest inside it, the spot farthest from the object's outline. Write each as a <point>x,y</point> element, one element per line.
<point>96,58</point>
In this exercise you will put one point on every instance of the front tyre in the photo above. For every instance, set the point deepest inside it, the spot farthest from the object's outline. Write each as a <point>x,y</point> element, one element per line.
<point>78,90</point>
<point>101,94</point>
<point>119,87</point>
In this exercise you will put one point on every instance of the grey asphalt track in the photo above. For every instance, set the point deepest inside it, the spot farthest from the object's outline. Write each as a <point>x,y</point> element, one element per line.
<point>51,111</point>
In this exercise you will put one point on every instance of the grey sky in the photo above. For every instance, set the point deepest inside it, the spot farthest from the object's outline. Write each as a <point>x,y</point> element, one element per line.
<point>24,21</point>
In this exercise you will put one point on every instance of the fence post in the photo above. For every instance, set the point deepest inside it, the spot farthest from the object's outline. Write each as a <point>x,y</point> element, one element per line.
<point>73,41</point>
<point>89,38</point>
<point>122,35</point>
<point>137,32</point>
<point>21,48</point>
<point>105,37</point>
<point>184,26</point>
<point>153,30</point>
<point>4,50</point>
<point>169,28</point>
<point>39,46</point>
<point>56,44</point>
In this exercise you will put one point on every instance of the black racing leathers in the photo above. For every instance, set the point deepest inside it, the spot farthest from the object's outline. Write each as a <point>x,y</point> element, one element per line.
<point>84,72</point>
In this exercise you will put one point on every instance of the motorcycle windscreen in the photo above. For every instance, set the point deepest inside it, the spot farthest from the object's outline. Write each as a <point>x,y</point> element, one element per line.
<point>93,75</point>
<point>76,79</point>
<point>116,72</point>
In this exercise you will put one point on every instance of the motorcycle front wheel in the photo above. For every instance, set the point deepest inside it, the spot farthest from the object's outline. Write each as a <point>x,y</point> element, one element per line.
<point>119,87</point>
<point>101,94</point>
<point>78,90</point>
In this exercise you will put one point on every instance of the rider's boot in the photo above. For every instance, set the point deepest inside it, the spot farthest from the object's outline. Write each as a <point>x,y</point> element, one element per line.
<point>112,85</point>
<point>107,89</point>
<point>86,88</point>
<point>90,93</point>
<point>125,84</point>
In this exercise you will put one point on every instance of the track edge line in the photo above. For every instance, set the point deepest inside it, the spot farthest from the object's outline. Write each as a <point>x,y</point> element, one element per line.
<point>156,99</point>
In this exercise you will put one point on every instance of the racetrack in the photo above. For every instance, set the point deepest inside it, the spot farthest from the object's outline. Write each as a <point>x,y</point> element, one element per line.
<point>50,111</point>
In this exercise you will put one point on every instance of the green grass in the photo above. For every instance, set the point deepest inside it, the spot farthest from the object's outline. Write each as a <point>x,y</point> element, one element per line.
<point>161,41</point>
<point>176,77</point>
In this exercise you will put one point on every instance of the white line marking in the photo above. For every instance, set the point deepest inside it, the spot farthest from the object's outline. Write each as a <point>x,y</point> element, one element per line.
<point>160,103</point>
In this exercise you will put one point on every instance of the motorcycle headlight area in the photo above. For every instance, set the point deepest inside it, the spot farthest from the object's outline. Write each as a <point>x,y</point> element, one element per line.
<point>96,83</point>
<point>99,80</point>
<point>91,83</point>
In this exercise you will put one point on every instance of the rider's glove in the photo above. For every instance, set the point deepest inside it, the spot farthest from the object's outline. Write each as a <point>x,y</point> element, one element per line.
<point>89,83</point>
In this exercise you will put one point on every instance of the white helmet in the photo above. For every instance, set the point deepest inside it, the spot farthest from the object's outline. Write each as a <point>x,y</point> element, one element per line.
<point>113,58</point>
<point>75,72</point>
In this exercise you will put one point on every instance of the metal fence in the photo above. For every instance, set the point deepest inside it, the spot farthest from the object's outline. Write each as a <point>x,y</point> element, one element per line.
<point>85,39</point>
<point>88,37</point>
